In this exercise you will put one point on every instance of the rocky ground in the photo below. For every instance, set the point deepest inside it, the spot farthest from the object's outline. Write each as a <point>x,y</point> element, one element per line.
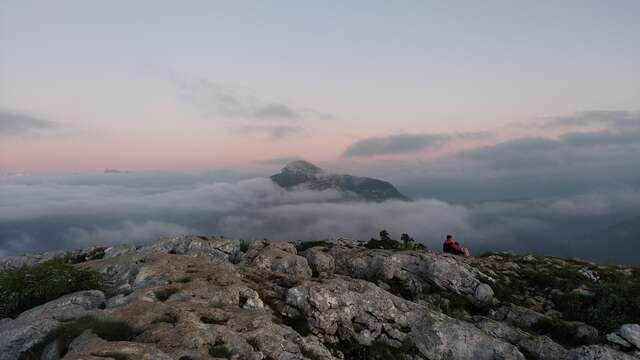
<point>195,297</point>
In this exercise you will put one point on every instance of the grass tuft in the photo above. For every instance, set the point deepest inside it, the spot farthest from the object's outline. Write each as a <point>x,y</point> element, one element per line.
<point>23,288</point>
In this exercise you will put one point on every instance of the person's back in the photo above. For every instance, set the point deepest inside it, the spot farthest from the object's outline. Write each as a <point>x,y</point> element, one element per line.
<point>447,245</point>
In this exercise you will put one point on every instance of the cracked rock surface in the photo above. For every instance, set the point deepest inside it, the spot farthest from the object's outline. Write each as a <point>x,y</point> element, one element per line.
<point>197,297</point>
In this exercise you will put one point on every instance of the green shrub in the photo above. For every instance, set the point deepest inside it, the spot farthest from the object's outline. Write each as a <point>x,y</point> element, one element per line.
<point>614,300</point>
<point>455,306</point>
<point>565,279</point>
<point>561,332</point>
<point>244,245</point>
<point>23,288</point>
<point>65,334</point>
<point>388,244</point>
<point>607,309</point>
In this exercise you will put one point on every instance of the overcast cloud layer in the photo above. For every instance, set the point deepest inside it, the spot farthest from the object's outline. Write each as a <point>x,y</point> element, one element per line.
<point>39,214</point>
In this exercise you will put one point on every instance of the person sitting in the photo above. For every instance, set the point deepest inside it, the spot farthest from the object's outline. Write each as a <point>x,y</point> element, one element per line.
<point>447,245</point>
<point>453,247</point>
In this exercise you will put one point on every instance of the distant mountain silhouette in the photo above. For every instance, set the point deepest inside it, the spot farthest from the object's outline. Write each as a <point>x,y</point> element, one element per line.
<point>301,173</point>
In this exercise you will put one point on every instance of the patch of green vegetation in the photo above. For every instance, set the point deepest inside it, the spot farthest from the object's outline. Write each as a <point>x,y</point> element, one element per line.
<point>304,245</point>
<point>25,287</point>
<point>611,301</point>
<point>65,334</point>
<point>540,282</point>
<point>615,300</point>
<point>508,292</point>
<point>164,294</point>
<point>244,245</point>
<point>562,332</point>
<point>455,306</point>
<point>565,280</point>
<point>387,243</point>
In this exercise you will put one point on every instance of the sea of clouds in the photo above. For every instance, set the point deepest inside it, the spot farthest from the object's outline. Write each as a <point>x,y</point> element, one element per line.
<point>65,212</point>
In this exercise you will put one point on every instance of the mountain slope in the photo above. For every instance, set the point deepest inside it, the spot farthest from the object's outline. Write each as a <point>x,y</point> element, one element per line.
<point>301,173</point>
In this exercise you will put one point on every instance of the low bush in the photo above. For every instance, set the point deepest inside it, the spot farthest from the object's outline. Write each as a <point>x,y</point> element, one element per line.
<point>388,244</point>
<point>244,245</point>
<point>562,332</point>
<point>614,300</point>
<point>23,288</point>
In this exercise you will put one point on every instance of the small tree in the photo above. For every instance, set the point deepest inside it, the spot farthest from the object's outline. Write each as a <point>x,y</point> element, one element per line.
<point>385,242</point>
<point>407,241</point>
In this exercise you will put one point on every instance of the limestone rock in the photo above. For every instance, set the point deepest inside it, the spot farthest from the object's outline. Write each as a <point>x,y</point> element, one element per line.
<point>518,315</point>
<point>322,264</point>
<point>616,339</point>
<point>339,310</point>
<point>597,352</point>
<point>196,246</point>
<point>29,328</point>
<point>89,346</point>
<point>417,271</point>
<point>284,261</point>
<point>120,250</point>
<point>196,297</point>
<point>631,333</point>
<point>534,347</point>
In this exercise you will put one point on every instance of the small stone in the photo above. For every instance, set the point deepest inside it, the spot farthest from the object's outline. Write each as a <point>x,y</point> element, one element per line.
<point>483,294</point>
<point>616,339</point>
<point>631,333</point>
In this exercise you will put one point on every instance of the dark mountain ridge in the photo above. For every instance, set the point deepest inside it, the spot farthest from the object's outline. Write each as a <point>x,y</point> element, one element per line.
<point>301,173</point>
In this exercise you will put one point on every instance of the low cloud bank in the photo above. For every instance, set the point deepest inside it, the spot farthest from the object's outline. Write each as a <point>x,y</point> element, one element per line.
<point>39,214</point>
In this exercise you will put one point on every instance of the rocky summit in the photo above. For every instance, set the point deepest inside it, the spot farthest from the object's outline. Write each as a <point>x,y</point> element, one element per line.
<point>302,174</point>
<point>200,297</point>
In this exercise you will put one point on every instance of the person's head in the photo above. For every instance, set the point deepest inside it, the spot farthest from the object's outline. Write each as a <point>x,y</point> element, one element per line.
<point>449,237</point>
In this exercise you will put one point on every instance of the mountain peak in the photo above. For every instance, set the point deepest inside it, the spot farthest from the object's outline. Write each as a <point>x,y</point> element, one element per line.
<point>303,173</point>
<point>302,167</point>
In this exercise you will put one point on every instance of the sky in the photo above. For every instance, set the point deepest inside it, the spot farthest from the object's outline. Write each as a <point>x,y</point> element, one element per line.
<point>513,125</point>
<point>157,85</point>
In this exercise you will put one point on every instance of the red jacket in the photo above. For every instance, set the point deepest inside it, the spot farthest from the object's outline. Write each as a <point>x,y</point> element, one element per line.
<point>447,246</point>
<point>457,249</point>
